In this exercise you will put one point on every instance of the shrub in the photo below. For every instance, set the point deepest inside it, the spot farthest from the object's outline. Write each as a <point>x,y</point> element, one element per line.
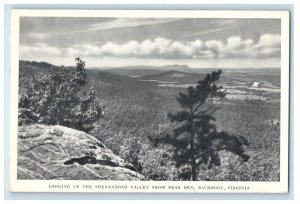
<point>56,97</point>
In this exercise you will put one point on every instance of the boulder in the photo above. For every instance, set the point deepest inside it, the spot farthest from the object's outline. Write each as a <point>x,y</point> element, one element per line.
<point>57,152</point>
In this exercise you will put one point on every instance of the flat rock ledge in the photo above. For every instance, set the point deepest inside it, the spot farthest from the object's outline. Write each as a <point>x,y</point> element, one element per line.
<point>57,152</point>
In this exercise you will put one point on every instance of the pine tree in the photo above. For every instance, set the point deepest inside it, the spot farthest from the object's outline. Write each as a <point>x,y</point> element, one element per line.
<point>196,140</point>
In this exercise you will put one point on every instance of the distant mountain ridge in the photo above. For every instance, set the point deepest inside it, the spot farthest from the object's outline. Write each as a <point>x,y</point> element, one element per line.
<point>133,71</point>
<point>169,73</point>
<point>174,76</point>
<point>41,64</point>
<point>148,70</point>
<point>183,68</point>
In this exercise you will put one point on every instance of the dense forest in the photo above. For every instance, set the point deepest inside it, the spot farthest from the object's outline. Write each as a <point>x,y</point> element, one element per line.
<point>203,126</point>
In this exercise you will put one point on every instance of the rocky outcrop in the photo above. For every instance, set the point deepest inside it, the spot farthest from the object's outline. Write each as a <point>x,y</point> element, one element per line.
<point>57,152</point>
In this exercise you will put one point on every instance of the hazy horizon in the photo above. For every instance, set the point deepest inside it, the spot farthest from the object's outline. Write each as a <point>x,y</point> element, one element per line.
<point>153,66</point>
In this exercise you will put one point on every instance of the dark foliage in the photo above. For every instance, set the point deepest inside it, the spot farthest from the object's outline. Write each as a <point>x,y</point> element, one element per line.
<point>56,97</point>
<point>196,140</point>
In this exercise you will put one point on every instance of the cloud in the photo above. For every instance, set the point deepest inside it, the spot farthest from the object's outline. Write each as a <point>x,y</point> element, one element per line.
<point>40,44</point>
<point>269,40</point>
<point>38,50</point>
<point>215,46</point>
<point>106,25</point>
<point>211,31</point>
<point>222,22</point>
<point>39,36</point>
<point>127,23</point>
<point>268,46</point>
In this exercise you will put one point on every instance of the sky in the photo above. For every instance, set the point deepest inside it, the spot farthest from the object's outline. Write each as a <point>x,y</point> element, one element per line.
<point>119,42</point>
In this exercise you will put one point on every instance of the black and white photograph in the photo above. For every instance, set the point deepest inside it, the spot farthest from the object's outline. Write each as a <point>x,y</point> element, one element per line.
<point>146,101</point>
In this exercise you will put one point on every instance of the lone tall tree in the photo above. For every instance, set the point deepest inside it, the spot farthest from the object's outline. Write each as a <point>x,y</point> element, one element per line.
<point>196,140</point>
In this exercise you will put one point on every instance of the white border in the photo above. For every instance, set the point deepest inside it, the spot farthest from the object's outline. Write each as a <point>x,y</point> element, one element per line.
<point>254,187</point>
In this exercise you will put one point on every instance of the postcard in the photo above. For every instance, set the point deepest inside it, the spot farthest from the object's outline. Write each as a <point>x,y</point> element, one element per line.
<point>155,101</point>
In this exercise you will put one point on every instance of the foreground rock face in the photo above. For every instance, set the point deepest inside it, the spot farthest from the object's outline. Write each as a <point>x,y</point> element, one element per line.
<point>57,152</point>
